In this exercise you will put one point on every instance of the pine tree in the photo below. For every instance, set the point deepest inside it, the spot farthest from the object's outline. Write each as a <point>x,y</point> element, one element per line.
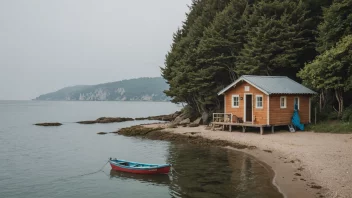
<point>337,23</point>
<point>224,39</point>
<point>276,38</point>
<point>172,71</point>
<point>216,54</point>
<point>180,62</point>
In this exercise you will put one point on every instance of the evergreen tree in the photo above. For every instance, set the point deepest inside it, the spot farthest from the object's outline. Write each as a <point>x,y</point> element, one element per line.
<point>276,38</point>
<point>216,54</point>
<point>173,62</point>
<point>337,23</point>
<point>223,39</point>
<point>180,62</point>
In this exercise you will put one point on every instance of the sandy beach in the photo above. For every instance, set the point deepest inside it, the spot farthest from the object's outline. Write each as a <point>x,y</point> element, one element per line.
<point>305,164</point>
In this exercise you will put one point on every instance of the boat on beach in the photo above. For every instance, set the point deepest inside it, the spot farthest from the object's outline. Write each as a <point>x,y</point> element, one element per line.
<point>139,168</point>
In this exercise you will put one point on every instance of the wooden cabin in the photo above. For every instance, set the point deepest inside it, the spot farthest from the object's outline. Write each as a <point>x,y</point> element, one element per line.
<point>264,101</point>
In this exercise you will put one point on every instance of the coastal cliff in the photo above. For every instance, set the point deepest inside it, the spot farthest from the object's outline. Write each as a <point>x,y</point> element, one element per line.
<point>140,89</point>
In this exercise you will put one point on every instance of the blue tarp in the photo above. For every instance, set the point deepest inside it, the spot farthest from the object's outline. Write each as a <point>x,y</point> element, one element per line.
<point>296,121</point>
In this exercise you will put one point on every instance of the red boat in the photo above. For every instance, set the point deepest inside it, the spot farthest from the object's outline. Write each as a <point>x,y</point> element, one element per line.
<point>139,168</point>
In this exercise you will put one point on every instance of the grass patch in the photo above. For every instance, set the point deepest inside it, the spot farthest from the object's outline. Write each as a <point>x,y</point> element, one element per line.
<point>331,127</point>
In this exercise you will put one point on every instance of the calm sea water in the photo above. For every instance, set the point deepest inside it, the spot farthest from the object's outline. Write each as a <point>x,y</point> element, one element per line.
<point>48,161</point>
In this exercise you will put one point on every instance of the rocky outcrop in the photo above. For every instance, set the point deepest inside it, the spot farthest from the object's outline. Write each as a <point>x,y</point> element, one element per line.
<point>160,134</point>
<point>185,121</point>
<point>136,131</point>
<point>106,120</point>
<point>198,121</point>
<point>169,117</point>
<point>102,133</point>
<point>48,124</point>
<point>178,119</point>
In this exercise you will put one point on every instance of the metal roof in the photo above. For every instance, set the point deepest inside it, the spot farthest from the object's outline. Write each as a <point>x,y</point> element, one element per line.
<point>272,85</point>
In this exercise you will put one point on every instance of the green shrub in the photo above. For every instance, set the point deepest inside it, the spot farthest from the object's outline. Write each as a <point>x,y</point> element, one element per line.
<point>322,116</point>
<point>331,127</point>
<point>333,115</point>
<point>327,114</point>
<point>347,114</point>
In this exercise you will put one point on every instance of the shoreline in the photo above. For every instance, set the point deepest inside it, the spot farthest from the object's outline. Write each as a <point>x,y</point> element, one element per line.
<point>282,176</point>
<point>268,167</point>
<point>291,156</point>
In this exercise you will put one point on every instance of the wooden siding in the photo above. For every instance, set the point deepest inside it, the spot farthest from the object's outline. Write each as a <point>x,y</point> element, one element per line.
<point>259,115</point>
<point>277,115</point>
<point>282,116</point>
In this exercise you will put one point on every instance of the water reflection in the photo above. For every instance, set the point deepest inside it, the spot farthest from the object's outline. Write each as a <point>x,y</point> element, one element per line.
<point>160,180</point>
<point>216,172</point>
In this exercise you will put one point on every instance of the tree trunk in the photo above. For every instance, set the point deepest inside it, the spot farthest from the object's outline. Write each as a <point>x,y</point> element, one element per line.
<point>218,104</point>
<point>196,104</point>
<point>339,97</point>
<point>232,74</point>
<point>320,101</point>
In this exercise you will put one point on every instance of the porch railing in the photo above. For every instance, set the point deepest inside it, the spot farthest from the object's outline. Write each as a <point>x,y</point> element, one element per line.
<point>222,117</point>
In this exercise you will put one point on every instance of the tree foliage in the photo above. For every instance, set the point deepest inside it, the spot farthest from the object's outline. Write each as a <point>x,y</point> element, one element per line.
<point>335,27</point>
<point>337,23</point>
<point>276,38</point>
<point>180,61</point>
<point>221,40</point>
<point>332,70</point>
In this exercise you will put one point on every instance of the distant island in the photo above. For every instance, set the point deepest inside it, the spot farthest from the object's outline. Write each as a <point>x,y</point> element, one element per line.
<point>139,89</point>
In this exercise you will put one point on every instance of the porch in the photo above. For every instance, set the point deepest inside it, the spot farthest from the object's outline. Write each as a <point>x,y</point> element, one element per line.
<point>227,120</point>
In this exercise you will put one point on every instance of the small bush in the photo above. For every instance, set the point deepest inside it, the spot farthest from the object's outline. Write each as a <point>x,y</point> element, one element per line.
<point>331,127</point>
<point>347,114</point>
<point>333,115</point>
<point>326,114</point>
<point>322,116</point>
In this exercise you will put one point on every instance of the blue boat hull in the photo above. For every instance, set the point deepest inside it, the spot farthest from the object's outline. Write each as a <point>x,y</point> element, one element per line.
<point>139,168</point>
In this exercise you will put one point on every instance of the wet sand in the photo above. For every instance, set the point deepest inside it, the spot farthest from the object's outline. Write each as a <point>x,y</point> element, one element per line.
<point>305,164</point>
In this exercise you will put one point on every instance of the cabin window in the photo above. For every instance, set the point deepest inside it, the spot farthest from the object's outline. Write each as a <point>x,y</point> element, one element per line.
<point>259,101</point>
<point>246,88</point>
<point>297,102</point>
<point>283,102</point>
<point>235,101</point>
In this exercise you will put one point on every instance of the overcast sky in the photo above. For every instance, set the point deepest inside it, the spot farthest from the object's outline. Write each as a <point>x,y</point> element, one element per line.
<point>46,45</point>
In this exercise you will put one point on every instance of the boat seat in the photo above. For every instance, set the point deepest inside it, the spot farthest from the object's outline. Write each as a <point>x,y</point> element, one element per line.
<point>123,163</point>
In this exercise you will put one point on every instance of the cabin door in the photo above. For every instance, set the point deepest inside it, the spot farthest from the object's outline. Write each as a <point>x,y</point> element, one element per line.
<point>249,108</point>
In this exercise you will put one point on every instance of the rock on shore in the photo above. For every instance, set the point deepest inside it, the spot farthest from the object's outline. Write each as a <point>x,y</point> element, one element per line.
<point>169,117</point>
<point>159,134</point>
<point>106,120</point>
